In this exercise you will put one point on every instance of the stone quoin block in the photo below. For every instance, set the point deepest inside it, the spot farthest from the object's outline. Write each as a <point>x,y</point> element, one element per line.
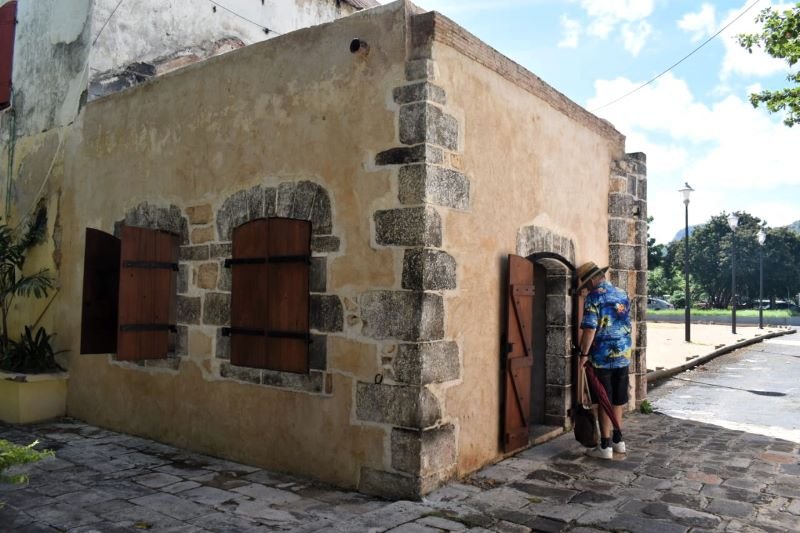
<point>167,219</point>
<point>240,207</point>
<point>622,257</point>
<point>202,235</point>
<point>217,308</point>
<point>620,205</point>
<point>321,216</point>
<point>420,69</point>
<point>223,346</point>
<point>207,275</point>
<point>311,382</point>
<point>225,277</point>
<point>303,200</point>
<point>422,153</point>
<point>318,274</point>
<point>421,452</point>
<point>327,313</point>
<point>428,270</point>
<point>389,485</point>
<point>183,278</point>
<point>640,236</point>
<point>557,309</point>
<point>642,188</point>
<point>418,92</point>
<point>641,283</point>
<point>285,199</point>
<point>223,250</point>
<point>318,352</point>
<point>558,341</point>
<point>182,340</point>
<point>426,362</point>
<point>558,370</point>
<point>640,257</point>
<point>422,122</point>
<point>325,243</point>
<point>402,315</point>
<point>411,226</point>
<point>194,253</point>
<point>434,185</point>
<point>270,201</point>
<point>401,406</point>
<point>241,373</point>
<point>187,309</point>
<point>619,230</point>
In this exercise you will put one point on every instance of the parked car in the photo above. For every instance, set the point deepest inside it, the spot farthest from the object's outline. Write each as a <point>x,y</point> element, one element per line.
<point>656,304</point>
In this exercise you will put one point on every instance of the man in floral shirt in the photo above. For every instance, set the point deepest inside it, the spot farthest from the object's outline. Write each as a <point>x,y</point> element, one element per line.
<point>606,344</point>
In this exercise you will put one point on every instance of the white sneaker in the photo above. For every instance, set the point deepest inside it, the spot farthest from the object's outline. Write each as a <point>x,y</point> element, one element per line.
<point>619,447</point>
<point>600,453</point>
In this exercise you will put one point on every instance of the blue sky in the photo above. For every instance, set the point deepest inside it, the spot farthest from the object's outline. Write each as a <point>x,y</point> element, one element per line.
<point>695,123</point>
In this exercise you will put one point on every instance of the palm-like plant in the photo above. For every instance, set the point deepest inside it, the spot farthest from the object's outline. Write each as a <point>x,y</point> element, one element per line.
<point>14,246</point>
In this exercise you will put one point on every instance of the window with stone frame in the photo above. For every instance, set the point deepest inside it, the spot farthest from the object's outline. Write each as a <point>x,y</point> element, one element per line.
<point>129,293</point>
<point>270,294</point>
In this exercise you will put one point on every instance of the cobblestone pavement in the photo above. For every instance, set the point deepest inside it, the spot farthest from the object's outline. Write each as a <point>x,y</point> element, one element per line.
<point>678,476</point>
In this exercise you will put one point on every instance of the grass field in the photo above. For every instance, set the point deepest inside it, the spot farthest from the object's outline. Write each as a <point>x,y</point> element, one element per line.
<point>777,313</point>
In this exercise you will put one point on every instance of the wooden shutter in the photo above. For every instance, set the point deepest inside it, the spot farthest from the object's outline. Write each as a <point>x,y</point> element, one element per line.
<point>147,293</point>
<point>270,294</point>
<point>8,23</point>
<point>518,353</point>
<point>100,292</point>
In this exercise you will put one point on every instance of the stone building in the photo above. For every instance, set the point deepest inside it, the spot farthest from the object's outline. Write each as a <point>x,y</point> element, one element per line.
<point>389,209</point>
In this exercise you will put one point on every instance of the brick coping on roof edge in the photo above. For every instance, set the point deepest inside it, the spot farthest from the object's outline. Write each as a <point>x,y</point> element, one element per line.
<point>433,26</point>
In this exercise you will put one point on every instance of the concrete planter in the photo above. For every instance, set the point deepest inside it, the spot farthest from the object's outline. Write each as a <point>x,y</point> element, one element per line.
<point>27,398</point>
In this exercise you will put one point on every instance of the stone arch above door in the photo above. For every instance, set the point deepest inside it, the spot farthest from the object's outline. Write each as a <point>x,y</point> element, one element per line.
<point>549,250</point>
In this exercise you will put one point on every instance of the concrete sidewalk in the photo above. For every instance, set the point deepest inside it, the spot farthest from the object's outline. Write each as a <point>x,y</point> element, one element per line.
<point>668,351</point>
<point>678,476</point>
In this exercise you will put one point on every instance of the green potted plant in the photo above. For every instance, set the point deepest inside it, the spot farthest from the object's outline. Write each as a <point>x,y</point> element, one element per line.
<point>33,386</point>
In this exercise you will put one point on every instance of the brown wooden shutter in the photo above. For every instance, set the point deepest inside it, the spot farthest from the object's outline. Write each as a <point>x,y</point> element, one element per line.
<point>100,292</point>
<point>518,356</point>
<point>249,294</point>
<point>270,294</point>
<point>8,24</point>
<point>147,293</point>
<point>288,295</point>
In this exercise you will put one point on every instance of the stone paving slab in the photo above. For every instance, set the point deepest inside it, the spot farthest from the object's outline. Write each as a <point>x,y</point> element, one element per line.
<point>678,476</point>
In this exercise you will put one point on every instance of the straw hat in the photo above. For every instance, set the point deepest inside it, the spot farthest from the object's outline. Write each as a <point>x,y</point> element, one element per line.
<point>587,272</point>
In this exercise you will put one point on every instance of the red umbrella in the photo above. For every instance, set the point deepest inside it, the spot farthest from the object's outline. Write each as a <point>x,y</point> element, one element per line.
<point>599,392</point>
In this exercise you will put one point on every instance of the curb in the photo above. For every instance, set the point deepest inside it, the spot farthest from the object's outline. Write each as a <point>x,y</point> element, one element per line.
<point>658,375</point>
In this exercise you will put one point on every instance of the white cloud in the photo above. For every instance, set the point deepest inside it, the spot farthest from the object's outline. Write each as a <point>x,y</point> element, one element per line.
<point>572,32</point>
<point>701,24</point>
<point>627,16</point>
<point>635,36</point>
<point>737,60</point>
<point>728,151</point>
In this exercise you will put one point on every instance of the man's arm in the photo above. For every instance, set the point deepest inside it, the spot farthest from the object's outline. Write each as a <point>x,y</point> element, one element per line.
<point>586,343</point>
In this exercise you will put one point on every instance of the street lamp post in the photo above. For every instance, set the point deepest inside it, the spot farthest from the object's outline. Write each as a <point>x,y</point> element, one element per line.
<point>685,192</point>
<point>762,237</point>
<point>733,221</point>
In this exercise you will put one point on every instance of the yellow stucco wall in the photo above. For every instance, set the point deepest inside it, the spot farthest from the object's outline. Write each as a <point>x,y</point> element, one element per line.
<point>528,164</point>
<point>298,107</point>
<point>302,107</point>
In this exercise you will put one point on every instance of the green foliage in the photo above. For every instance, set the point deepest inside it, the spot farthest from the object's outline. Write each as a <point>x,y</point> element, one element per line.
<point>655,252</point>
<point>14,246</point>
<point>33,354</point>
<point>14,454</point>
<point>645,407</point>
<point>710,257</point>
<point>778,38</point>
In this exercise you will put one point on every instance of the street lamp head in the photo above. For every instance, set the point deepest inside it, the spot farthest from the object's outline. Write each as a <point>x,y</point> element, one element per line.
<point>685,192</point>
<point>733,221</point>
<point>761,236</point>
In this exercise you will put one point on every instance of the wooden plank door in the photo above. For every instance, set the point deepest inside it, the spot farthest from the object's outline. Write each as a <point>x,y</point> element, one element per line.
<point>518,353</point>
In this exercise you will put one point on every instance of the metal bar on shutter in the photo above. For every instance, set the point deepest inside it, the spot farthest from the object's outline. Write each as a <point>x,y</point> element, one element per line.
<point>227,332</point>
<point>263,260</point>
<point>149,327</point>
<point>151,265</point>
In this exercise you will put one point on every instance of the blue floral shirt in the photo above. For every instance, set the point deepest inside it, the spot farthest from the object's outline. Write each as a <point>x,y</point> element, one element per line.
<point>607,310</point>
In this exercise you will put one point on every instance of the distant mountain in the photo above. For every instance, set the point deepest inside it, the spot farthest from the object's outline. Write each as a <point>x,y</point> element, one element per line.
<point>794,226</point>
<point>682,232</point>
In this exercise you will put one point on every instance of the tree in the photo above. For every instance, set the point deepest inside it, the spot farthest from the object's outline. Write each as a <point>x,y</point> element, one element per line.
<point>710,257</point>
<point>655,252</point>
<point>778,38</point>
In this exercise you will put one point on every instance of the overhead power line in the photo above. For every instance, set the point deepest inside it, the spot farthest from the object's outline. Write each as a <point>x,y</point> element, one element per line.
<point>684,58</point>
<point>106,22</point>
<point>232,12</point>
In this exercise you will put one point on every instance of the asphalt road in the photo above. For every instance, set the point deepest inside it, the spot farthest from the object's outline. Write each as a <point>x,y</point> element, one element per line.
<point>755,389</point>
